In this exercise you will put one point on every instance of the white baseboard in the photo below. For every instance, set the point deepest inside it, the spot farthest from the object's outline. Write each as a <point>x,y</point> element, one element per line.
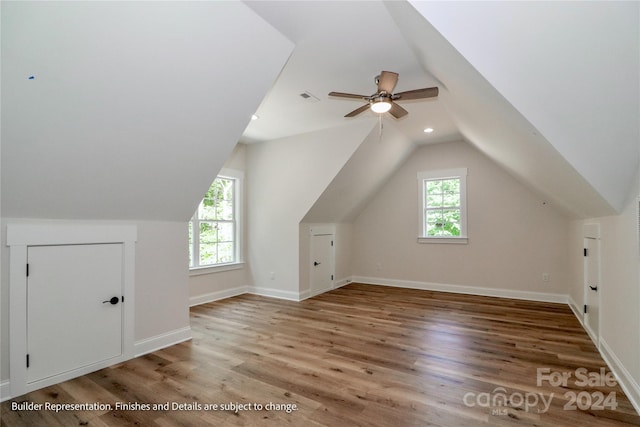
<point>5,390</point>
<point>218,295</point>
<point>576,310</point>
<point>275,293</point>
<point>342,282</point>
<point>149,345</point>
<point>460,289</point>
<point>624,377</point>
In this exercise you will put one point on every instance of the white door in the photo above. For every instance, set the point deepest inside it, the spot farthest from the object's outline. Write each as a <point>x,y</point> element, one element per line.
<point>321,263</point>
<point>74,307</point>
<point>592,286</point>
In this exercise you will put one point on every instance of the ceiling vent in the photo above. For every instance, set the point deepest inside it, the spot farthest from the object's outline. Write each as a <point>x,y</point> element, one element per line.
<point>309,97</point>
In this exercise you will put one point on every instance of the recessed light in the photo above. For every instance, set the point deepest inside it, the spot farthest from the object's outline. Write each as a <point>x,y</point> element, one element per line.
<point>428,130</point>
<point>254,117</point>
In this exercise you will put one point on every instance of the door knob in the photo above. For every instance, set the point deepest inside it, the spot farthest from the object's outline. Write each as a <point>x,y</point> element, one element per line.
<point>316,263</point>
<point>594,288</point>
<point>113,301</point>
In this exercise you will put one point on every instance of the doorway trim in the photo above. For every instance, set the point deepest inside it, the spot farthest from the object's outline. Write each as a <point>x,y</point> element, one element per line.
<point>19,238</point>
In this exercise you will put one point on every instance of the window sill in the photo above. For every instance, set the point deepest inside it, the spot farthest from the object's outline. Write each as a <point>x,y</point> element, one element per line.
<point>446,240</point>
<point>197,271</point>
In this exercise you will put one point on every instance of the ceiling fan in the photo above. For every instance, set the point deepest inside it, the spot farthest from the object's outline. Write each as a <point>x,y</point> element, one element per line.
<point>383,100</point>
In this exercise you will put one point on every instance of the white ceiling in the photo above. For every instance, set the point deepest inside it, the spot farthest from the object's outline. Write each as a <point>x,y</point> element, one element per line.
<point>126,94</point>
<point>571,68</point>
<point>342,46</point>
<point>554,100</point>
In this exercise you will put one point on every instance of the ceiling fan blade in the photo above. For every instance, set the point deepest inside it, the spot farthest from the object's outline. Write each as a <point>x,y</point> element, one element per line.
<point>358,111</point>
<point>387,81</point>
<point>397,111</point>
<point>348,95</point>
<point>427,92</point>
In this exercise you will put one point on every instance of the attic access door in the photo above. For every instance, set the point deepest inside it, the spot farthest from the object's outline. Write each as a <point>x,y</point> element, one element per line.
<point>322,259</point>
<point>74,307</point>
<point>56,309</point>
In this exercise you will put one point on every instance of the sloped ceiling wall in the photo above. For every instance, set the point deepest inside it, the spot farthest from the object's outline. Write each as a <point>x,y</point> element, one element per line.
<point>285,178</point>
<point>585,174</point>
<point>571,68</point>
<point>126,110</point>
<point>375,160</point>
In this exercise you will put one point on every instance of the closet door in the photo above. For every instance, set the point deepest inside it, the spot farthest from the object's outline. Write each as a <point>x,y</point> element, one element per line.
<point>74,307</point>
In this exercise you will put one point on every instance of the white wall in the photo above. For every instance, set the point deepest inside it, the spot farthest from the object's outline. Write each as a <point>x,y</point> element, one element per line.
<point>216,284</point>
<point>161,293</point>
<point>513,236</point>
<point>285,177</point>
<point>619,287</point>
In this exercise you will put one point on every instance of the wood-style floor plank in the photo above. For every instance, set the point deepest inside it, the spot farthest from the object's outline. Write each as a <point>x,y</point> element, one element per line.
<point>357,356</point>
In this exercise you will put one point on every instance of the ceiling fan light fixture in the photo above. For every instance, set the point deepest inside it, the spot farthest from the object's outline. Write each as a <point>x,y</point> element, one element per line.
<point>380,105</point>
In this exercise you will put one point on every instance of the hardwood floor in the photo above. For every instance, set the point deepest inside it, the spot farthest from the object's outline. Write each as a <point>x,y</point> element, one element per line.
<point>357,356</point>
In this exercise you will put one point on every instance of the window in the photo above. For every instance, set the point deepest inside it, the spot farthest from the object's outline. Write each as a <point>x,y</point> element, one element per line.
<point>443,216</point>
<point>214,229</point>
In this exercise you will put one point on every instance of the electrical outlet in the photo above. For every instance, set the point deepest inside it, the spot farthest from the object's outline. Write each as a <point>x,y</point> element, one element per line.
<point>272,276</point>
<point>545,277</point>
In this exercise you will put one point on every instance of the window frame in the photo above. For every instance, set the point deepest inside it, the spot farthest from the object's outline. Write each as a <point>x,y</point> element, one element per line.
<point>196,269</point>
<point>443,174</point>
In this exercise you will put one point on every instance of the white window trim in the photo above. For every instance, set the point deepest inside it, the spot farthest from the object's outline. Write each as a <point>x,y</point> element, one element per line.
<point>444,174</point>
<point>238,176</point>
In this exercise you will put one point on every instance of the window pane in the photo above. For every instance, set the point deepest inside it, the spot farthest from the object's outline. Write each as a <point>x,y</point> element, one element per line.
<point>451,185</point>
<point>225,232</point>
<point>208,232</point>
<point>225,252</point>
<point>451,199</point>
<point>226,187</point>
<point>207,209</point>
<point>434,187</point>
<point>451,225</point>
<point>224,210</point>
<point>434,201</point>
<point>208,254</point>
<point>435,223</point>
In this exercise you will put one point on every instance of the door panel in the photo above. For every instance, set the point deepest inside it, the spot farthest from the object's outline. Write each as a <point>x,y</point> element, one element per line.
<point>592,285</point>
<point>321,263</point>
<point>69,325</point>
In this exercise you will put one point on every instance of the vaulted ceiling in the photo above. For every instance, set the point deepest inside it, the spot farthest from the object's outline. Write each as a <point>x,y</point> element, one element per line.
<point>118,110</point>
<point>549,90</point>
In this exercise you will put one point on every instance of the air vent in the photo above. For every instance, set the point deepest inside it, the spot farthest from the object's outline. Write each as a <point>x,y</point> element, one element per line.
<point>309,97</point>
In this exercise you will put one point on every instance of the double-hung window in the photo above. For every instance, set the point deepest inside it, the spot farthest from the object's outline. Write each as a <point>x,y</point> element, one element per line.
<point>214,229</point>
<point>443,210</point>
